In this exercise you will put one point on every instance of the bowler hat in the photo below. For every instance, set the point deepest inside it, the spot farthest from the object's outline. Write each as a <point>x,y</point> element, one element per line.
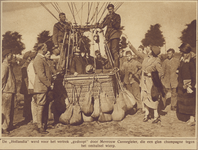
<point>155,50</point>
<point>6,52</point>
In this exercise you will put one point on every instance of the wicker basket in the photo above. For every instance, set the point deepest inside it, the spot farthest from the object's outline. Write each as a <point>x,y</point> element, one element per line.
<point>82,84</point>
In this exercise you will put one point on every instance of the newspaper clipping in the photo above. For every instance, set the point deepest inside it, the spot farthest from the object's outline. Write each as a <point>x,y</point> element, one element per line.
<point>98,74</point>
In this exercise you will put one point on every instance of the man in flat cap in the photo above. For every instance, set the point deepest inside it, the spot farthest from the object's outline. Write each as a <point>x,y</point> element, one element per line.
<point>60,30</point>
<point>113,32</point>
<point>8,91</point>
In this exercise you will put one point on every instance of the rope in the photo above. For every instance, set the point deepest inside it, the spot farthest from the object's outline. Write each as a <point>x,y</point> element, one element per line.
<point>94,13</point>
<point>103,11</point>
<point>118,6</point>
<point>58,7</point>
<point>71,12</point>
<point>89,10</point>
<point>55,7</point>
<point>78,14</point>
<point>78,11</point>
<point>49,11</point>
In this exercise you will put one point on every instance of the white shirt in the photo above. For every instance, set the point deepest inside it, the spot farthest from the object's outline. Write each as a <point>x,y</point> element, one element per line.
<point>31,75</point>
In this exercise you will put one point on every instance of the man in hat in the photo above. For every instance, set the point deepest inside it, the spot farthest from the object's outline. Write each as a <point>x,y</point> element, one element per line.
<point>170,66</point>
<point>113,32</point>
<point>78,64</point>
<point>101,62</point>
<point>131,70</point>
<point>8,91</point>
<point>61,29</point>
<point>42,85</point>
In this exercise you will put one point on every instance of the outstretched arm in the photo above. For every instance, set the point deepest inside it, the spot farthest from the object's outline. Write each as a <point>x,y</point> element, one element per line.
<point>142,55</point>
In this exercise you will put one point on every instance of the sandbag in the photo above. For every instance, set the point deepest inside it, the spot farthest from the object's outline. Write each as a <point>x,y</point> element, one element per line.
<point>118,111</point>
<point>105,103</point>
<point>87,118</point>
<point>127,101</point>
<point>88,104</point>
<point>66,116</point>
<point>96,111</point>
<point>120,100</point>
<point>131,97</point>
<point>104,117</point>
<point>76,118</point>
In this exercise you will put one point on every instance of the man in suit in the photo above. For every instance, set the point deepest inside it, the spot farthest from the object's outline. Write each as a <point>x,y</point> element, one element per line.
<point>42,85</point>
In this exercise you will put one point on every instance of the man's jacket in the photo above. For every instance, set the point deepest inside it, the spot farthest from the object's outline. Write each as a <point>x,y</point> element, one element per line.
<point>78,65</point>
<point>59,32</point>
<point>43,74</point>
<point>8,78</point>
<point>113,26</point>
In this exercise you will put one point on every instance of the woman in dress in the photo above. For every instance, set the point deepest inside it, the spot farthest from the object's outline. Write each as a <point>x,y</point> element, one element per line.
<point>186,87</point>
<point>151,87</point>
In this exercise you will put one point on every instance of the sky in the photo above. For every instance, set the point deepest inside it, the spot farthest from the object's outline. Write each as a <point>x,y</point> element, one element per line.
<point>31,18</point>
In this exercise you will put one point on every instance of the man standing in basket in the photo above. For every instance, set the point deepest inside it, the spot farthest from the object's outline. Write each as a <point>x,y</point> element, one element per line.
<point>113,32</point>
<point>61,38</point>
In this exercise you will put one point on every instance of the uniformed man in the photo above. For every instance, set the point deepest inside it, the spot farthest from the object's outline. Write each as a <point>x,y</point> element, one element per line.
<point>113,32</point>
<point>61,29</point>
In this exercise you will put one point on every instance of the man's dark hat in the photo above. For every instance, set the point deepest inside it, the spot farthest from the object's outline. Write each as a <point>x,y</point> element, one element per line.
<point>6,52</point>
<point>156,50</point>
<point>185,48</point>
<point>110,5</point>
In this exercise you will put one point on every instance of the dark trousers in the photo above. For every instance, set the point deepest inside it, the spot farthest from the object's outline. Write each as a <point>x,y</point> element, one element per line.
<point>7,110</point>
<point>173,97</point>
<point>27,107</point>
<point>114,49</point>
<point>135,90</point>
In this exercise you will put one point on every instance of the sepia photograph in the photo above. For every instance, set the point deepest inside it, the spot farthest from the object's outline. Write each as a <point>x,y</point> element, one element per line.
<point>99,74</point>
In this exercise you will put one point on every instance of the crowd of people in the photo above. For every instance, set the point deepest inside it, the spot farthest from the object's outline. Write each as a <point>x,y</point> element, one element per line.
<point>143,74</point>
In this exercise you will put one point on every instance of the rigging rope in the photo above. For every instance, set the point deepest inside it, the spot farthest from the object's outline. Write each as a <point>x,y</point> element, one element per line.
<point>72,13</point>
<point>58,6</point>
<point>49,11</point>
<point>94,14</point>
<point>118,6</point>
<point>89,10</point>
<point>103,11</point>
<point>55,7</point>
<point>78,14</point>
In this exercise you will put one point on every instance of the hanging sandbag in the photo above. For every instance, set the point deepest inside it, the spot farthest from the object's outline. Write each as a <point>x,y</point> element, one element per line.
<point>105,103</point>
<point>87,118</point>
<point>120,100</point>
<point>66,116</point>
<point>88,103</point>
<point>96,111</point>
<point>104,117</point>
<point>119,109</point>
<point>127,100</point>
<point>131,97</point>
<point>76,118</point>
